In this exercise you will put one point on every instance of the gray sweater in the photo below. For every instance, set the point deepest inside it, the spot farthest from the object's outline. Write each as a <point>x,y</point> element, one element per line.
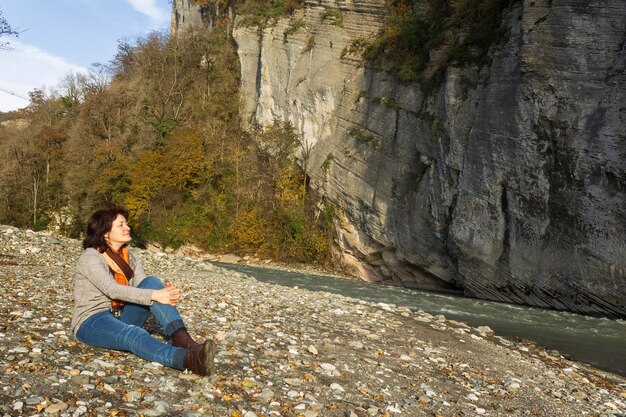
<point>95,286</point>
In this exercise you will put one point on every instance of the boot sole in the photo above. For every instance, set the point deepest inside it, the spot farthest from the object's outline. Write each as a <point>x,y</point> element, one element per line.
<point>209,357</point>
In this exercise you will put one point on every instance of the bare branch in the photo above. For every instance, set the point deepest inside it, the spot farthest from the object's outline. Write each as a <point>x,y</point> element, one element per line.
<point>6,30</point>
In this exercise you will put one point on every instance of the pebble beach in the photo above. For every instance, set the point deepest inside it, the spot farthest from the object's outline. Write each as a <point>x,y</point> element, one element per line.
<point>281,352</point>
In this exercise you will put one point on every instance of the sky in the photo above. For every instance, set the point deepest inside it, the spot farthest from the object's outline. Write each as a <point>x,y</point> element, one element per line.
<point>62,36</point>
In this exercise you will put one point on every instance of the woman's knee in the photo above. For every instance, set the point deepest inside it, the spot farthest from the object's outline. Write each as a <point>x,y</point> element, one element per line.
<point>133,336</point>
<point>151,283</point>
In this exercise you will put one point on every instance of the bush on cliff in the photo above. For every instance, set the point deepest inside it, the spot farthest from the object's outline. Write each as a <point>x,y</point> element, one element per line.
<point>264,12</point>
<point>420,38</point>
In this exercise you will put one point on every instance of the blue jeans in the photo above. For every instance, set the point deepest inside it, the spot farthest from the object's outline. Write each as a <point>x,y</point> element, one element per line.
<point>127,333</point>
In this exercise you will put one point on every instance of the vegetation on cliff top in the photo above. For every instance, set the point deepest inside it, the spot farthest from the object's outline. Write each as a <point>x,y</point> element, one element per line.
<point>420,38</point>
<point>158,131</point>
<point>263,12</point>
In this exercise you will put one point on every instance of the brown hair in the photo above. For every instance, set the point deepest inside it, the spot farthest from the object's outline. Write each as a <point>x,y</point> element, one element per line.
<point>100,223</point>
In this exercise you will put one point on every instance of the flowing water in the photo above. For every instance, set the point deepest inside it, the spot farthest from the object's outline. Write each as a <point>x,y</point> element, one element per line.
<point>600,342</point>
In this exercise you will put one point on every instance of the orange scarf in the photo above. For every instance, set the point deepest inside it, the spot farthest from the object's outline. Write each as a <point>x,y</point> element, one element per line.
<point>114,260</point>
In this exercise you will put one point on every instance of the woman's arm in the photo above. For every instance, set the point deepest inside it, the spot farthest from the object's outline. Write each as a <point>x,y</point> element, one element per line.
<point>93,267</point>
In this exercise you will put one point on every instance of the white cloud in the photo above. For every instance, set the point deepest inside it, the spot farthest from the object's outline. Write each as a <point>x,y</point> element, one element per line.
<point>150,9</point>
<point>25,68</point>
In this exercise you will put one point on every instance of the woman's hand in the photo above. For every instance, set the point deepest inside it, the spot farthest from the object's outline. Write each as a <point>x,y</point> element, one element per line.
<point>168,295</point>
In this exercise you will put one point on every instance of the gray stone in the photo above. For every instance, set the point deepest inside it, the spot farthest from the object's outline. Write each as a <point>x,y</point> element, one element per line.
<point>80,379</point>
<point>34,400</point>
<point>506,183</point>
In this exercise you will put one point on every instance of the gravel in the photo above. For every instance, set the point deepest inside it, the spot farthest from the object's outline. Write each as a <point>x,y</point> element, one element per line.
<point>282,352</point>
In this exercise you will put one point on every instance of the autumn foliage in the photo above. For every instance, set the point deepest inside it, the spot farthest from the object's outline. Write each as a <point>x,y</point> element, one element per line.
<point>157,130</point>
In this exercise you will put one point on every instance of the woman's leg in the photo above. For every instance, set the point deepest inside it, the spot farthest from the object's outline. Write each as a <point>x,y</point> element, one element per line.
<point>167,315</point>
<point>104,330</point>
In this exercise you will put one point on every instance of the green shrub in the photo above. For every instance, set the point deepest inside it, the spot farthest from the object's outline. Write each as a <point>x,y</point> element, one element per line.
<point>263,12</point>
<point>328,213</point>
<point>358,134</point>
<point>293,28</point>
<point>458,32</point>
<point>357,45</point>
<point>326,164</point>
<point>334,15</point>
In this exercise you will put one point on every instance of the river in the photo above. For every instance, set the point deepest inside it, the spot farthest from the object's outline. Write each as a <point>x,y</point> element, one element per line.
<point>599,342</point>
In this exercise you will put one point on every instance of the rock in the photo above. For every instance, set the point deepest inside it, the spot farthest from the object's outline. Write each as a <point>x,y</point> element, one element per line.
<point>80,379</point>
<point>34,400</point>
<point>293,381</point>
<point>230,259</point>
<point>265,395</point>
<point>484,329</point>
<point>336,387</point>
<point>56,408</point>
<point>257,369</point>
<point>356,344</point>
<point>372,411</point>
<point>149,412</point>
<point>464,195</point>
<point>512,387</point>
<point>328,366</point>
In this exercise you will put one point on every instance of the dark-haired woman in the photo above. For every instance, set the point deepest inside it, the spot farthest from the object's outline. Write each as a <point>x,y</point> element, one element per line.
<point>113,297</point>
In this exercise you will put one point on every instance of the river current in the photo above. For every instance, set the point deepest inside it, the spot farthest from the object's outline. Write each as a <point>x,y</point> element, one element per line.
<point>599,342</point>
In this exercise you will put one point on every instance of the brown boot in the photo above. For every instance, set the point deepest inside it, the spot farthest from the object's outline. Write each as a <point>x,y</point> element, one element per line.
<point>201,362</point>
<point>181,338</point>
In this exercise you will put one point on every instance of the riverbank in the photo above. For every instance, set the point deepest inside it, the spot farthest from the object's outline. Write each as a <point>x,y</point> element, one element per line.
<point>196,253</point>
<point>282,352</point>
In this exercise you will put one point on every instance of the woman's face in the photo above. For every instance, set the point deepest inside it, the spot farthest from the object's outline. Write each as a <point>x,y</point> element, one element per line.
<point>119,233</point>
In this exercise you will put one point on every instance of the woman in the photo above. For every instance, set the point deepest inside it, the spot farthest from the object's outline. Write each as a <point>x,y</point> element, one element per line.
<point>113,297</point>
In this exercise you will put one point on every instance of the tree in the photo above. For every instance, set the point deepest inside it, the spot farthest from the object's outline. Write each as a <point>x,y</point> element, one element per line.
<point>6,30</point>
<point>21,178</point>
<point>158,130</point>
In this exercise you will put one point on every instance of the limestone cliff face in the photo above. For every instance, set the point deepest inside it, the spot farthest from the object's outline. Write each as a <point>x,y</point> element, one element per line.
<point>191,15</point>
<point>508,183</point>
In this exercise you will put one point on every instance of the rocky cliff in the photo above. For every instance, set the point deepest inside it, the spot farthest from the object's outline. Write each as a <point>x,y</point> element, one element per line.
<point>506,183</point>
